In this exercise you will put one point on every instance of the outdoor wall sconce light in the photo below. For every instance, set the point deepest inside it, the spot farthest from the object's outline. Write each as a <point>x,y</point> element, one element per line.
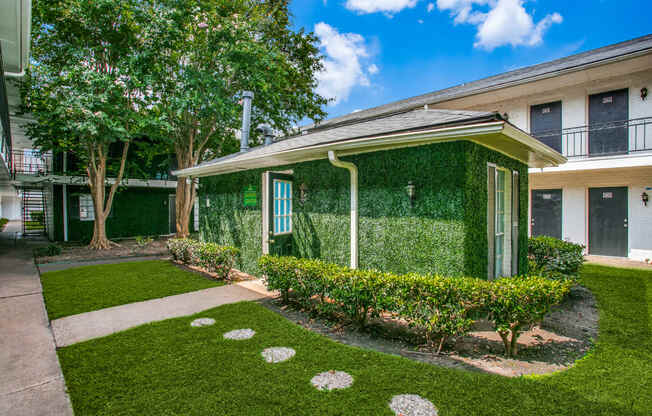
<point>643,93</point>
<point>412,192</point>
<point>303,193</point>
<point>645,198</point>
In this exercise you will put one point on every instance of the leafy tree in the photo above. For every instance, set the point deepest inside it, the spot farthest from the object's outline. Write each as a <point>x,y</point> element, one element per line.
<point>202,54</point>
<point>86,91</point>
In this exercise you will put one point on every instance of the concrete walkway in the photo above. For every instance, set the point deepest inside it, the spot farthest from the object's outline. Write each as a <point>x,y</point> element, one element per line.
<point>618,262</point>
<point>31,382</point>
<point>85,326</point>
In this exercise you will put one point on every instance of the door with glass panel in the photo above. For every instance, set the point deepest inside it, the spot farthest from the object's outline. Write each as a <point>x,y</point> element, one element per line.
<point>280,214</point>
<point>502,222</point>
<point>499,243</point>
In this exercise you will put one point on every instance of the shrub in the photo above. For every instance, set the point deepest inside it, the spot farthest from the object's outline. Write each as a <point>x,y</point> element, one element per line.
<point>3,222</point>
<point>183,250</point>
<point>213,257</point>
<point>143,241</point>
<point>216,258</point>
<point>438,306</point>
<point>37,216</point>
<point>554,258</point>
<point>49,250</point>
<point>441,307</point>
<point>515,304</point>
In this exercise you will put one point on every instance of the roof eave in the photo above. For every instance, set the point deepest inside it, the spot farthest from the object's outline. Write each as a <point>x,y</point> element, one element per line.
<point>544,156</point>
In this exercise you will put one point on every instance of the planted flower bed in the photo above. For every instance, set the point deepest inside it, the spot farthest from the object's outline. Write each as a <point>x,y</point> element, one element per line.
<point>440,307</point>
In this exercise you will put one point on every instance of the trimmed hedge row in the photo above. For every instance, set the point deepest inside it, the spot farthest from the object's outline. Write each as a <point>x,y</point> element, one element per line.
<point>554,258</point>
<point>438,306</point>
<point>212,257</point>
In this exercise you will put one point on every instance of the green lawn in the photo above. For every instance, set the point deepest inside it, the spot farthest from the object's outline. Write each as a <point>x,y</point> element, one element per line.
<point>168,368</point>
<point>89,288</point>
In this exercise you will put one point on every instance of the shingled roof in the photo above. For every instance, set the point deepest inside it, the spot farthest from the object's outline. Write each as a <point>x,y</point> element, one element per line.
<point>571,63</point>
<point>367,135</point>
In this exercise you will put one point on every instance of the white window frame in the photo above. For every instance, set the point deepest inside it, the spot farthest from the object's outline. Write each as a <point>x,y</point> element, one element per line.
<point>282,199</point>
<point>86,209</point>
<point>506,261</point>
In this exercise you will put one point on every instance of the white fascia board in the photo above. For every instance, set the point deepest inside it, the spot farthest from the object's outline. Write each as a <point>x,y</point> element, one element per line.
<point>612,162</point>
<point>83,180</point>
<point>544,154</point>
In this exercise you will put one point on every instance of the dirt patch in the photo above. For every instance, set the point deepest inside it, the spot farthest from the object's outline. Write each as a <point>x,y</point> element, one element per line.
<point>126,248</point>
<point>564,336</point>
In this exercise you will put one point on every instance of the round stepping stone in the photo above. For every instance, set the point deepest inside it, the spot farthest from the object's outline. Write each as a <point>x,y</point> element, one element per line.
<point>277,354</point>
<point>331,380</point>
<point>202,322</point>
<point>240,334</point>
<point>412,405</point>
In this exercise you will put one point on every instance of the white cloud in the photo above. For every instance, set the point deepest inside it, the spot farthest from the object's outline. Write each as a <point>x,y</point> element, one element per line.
<point>499,22</point>
<point>420,21</point>
<point>344,56</point>
<point>388,7</point>
<point>431,7</point>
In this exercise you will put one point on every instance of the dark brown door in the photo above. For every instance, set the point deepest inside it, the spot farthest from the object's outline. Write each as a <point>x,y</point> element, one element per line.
<point>280,214</point>
<point>608,222</point>
<point>546,213</point>
<point>608,113</point>
<point>546,124</point>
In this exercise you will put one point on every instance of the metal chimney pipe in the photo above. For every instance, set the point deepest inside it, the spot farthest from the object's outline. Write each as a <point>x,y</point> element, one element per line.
<point>247,97</point>
<point>267,133</point>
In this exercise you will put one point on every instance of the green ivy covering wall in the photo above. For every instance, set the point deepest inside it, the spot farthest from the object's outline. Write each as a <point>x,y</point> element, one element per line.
<point>135,211</point>
<point>433,235</point>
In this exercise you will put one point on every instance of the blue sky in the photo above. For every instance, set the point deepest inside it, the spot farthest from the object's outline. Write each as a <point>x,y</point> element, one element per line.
<point>378,51</point>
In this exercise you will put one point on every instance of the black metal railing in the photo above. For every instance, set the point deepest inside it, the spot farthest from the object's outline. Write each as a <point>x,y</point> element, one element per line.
<point>601,139</point>
<point>31,162</point>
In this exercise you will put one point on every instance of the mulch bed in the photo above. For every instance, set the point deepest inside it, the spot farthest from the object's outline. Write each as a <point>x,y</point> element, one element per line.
<point>126,248</point>
<point>565,335</point>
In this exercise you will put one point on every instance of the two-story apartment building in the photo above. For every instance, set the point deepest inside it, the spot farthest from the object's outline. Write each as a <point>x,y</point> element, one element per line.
<point>593,108</point>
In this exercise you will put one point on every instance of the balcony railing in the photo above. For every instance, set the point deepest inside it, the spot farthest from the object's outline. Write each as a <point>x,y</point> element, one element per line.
<point>31,162</point>
<point>601,139</point>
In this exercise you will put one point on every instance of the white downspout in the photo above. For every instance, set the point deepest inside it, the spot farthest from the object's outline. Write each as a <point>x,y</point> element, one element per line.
<point>353,170</point>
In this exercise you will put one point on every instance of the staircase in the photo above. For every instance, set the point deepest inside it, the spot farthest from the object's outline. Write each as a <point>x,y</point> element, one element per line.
<point>34,212</point>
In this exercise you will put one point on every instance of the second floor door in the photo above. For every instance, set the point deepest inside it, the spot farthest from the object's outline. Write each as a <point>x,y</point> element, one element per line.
<point>608,114</point>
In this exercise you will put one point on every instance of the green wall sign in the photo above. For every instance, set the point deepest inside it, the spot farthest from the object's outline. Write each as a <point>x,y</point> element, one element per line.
<point>250,196</point>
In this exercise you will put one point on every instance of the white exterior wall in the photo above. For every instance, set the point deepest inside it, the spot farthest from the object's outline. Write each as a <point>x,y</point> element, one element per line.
<point>575,186</point>
<point>581,173</point>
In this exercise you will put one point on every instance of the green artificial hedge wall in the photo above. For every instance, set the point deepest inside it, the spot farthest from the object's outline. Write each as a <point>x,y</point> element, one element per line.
<point>135,211</point>
<point>443,232</point>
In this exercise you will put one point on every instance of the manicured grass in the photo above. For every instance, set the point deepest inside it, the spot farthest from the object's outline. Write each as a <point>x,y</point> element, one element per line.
<point>89,288</point>
<point>168,368</point>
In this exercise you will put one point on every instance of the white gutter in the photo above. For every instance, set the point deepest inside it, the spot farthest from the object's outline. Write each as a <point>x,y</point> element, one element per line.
<point>353,170</point>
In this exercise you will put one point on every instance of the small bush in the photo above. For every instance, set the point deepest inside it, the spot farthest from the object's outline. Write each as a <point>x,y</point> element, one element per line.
<point>516,303</point>
<point>3,222</point>
<point>216,258</point>
<point>554,258</point>
<point>37,216</point>
<point>49,250</point>
<point>213,257</point>
<point>143,241</point>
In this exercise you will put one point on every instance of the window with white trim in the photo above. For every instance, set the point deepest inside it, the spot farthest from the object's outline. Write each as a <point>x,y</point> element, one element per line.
<point>282,206</point>
<point>86,211</point>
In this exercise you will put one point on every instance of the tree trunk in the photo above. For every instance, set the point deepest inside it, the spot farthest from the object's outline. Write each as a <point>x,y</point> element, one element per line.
<point>507,343</point>
<point>185,199</point>
<point>101,205</point>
